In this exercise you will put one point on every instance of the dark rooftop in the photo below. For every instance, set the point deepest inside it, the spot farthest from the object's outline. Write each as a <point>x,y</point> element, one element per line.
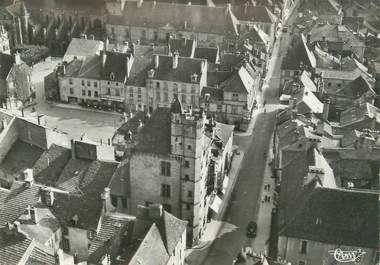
<point>184,46</point>
<point>215,93</point>
<point>154,137</point>
<point>21,156</point>
<point>295,55</point>
<point>12,246</point>
<point>208,53</point>
<point>6,63</point>
<point>115,67</point>
<point>247,12</point>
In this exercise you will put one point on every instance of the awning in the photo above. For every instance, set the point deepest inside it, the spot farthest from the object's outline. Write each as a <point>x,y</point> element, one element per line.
<point>225,184</point>
<point>217,202</point>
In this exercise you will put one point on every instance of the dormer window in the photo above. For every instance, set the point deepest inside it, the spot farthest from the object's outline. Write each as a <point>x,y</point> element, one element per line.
<point>112,76</point>
<point>151,73</point>
<point>194,78</point>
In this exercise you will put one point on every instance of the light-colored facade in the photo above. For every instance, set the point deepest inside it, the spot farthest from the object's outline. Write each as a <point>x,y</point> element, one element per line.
<point>4,41</point>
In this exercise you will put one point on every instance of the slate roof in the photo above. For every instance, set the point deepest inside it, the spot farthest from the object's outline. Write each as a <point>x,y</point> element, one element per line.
<point>347,217</point>
<point>215,93</point>
<point>205,19</point>
<point>50,165</point>
<point>86,202</point>
<point>240,82</point>
<point>182,73</point>
<point>184,46</point>
<point>208,53</point>
<point>357,88</point>
<point>74,170</point>
<point>116,64</point>
<point>90,67</point>
<point>13,247</point>
<point>6,64</point>
<point>133,123</point>
<point>252,13</point>
<point>154,137</point>
<point>40,257</point>
<point>216,78</point>
<point>120,182</point>
<point>223,132</point>
<point>295,55</point>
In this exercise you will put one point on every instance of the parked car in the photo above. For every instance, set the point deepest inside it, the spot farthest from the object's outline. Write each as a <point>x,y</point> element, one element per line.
<point>251,229</point>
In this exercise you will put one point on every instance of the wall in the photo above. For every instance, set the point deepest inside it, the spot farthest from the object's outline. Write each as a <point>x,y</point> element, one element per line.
<point>78,241</point>
<point>179,257</point>
<point>317,253</point>
<point>32,133</point>
<point>105,152</point>
<point>7,138</point>
<point>58,138</point>
<point>76,84</point>
<point>146,181</point>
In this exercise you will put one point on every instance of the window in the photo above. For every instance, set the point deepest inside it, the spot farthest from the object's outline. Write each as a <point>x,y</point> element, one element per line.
<point>108,91</point>
<point>147,203</point>
<point>189,194</point>
<point>165,168</point>
<point>114,200</point>
<point>175,88</point>
<point>165,190</point>
<point>188,206</point>
<point>193,89</point>
<point>186,178</point>
<point>89,93</point>
<point>82,82</point>
<point>183,98</point>
<point>70,81</point>
<point>157,84</point>
<point>192,99</point>
<point>139,90</point>
<point>113,30</point>
<point>339,85</point>
<point>187,163</point>
<point>167,207</point>
<point>117,92</point>
<point>235,96</point>
<point>124,202</point>
<point>117,83</point>
<point>328,84</point>
<point>219,107</point>
<point>88,83</point>
<point>303,246</point>
<point>158,98</point>
<point>71,90</point>
<point>189,147</point>
<point>166,97</point>
<point>96,94</point>
<point>83,92</point>
<point>234,110</point>
<point>95,84</point>
<point>301,262</point>
<point>165,86</point>
<point>126,33</point>
<point>65,244</point>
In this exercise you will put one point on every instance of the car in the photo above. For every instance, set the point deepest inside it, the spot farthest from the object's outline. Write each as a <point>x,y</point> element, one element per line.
<point>285,29</point>
<point>251,229</point>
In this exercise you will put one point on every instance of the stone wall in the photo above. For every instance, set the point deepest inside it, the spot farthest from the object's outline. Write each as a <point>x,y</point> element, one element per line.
<point>8,137</point>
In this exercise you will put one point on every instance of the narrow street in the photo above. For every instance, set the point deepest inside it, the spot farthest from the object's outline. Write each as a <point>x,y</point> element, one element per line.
<point>246,197</point>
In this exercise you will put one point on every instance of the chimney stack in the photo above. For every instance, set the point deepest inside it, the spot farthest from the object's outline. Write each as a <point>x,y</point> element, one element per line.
<point>175,59</point>
<point>17,58</point>
<point>228,9</point>
<point>34,214</point>
<point>127,68</point>
<point>106,199</point>
<point>155,211</point>
<point>156,61</point>
<point>28,177</point>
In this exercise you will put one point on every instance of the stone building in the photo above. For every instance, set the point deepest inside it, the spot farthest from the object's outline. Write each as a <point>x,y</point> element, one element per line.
<point>171,165</point>
<point>4,41</point>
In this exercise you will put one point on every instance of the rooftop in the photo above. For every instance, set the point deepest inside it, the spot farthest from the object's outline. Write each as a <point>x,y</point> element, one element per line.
<point>83,47</point>
<point>115,67</point>
<point>216,20</point>
<point>209,53</point>
<point>358,113</point>
<point>184,46</point>
<point>182,73</point>
<point>154,137</point>
<point>21,156</point>
<point>247,12</point>
<point>6,64</point>
<point>12,246</point>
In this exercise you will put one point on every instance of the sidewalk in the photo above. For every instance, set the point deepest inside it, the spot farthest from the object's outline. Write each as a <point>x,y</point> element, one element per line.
<point>264,214</point>
<point>76,107</point>
<point>213,229</point>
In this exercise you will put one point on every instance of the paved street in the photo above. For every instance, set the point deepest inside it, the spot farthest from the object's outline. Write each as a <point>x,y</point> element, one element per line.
<point>247,196</point>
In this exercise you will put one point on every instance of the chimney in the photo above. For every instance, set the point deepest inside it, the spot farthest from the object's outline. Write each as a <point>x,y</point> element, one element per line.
<point>155,211</point>
<point>133,49</point>
<point>228,9</point>
<point>156,61</point>
<point>44,33</point>
<point>16,226</point>
<point>326,108</point>
<point>63,69</point>
<point>92,37</point>
<point>48,197</point>
<point>84,36</point>
<point>139,3</point>
<point>72,149</point>
<point>17,58</point>
<point>28,177</point>
<point>106,199</point>
<point>34,214</point>
<point>175,59</point>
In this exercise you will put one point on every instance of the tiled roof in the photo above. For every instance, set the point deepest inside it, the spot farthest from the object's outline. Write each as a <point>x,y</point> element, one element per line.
<point>358,113</point>
<point>230,61</point>
<point>120,182</point>
<point>6,63</point>
<point>357,88</point>
<point>93,7</point>
<point>208,53</point>
<point>50,165</point>
<point>295,55</point>
<point>13,247</point>
<point>90,67</point>
<point>83,47</point>
<point>240,82</point>
<point>116,63</point>
<point>133,123</point>
<point>216,20</point>
<point>343,219</point>
<point>40,257</point>
<point>224,132</point>
<point>18,199</point>
<point>110,227</point>
<point>182,73</point>
<point>86,203</point>
<point>252,13</point>
<point>152,250</point>
<point>74,170</point>
<point>216,78</point>
<point>154,137</point>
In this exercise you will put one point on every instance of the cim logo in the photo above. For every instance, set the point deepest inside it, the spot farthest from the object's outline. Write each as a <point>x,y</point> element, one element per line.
<point>347,255</point>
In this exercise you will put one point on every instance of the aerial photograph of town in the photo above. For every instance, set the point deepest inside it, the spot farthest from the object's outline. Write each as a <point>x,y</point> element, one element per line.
<point>189,132</point>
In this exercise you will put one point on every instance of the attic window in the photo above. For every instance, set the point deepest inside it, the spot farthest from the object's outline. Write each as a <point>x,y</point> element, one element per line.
<point>194,77</point>
<point>318,221</point>
<point>112,76</point>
